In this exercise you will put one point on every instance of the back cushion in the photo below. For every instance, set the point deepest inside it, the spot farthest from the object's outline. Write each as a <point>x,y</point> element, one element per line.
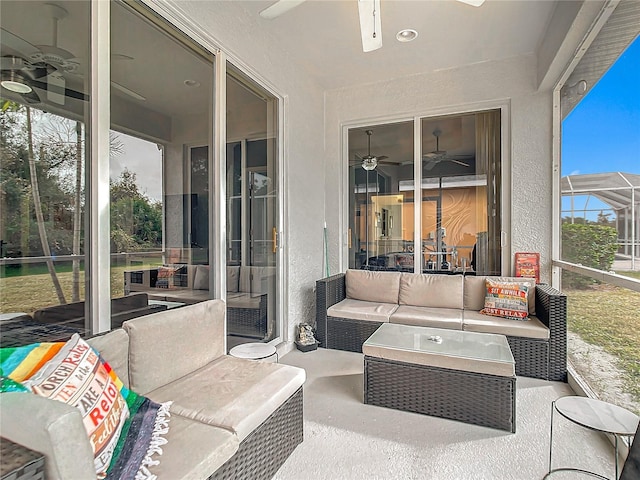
<point>233,278</point>
<point>168,345</point>
<point>201,278</point>
<point>436,291</point>
<point>373,286</point>
<point>114,348</point>
<point>244,284</point>
<point>475,290</point>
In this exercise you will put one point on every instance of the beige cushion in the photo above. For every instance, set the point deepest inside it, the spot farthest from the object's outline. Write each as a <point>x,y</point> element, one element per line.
<point>360,310</point>
<point>372,286</point>
<point>51,427</point>
<point>233,393</point>
<point>194,450</point>
<point>114,348</point>
<point>244,282</point>
<point>475,290</point>
<point>187,295</point>
<point>450,318</point>
<point>167,345</point>
<point>243,300</point>
<point>529,328</point>
<point>424,290</point>
<point>233,278</point>
<point>201,278</point>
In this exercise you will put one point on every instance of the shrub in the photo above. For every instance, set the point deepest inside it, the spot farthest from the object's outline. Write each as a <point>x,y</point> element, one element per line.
<point>590,245</point>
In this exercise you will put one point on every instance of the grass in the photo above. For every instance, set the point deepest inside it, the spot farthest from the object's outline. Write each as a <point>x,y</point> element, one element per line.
<point>609,317</point>
<point>28,293</point>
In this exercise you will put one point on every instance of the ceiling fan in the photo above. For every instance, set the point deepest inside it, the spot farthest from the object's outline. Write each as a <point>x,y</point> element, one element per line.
<point>370,162</point>
<point>435,157</point>
<point>43,66</point>
<point>369,14</point>
<point>25,67</point>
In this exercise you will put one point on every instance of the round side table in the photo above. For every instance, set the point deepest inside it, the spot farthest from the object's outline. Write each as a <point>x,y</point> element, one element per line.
<point>594,415</point>
<point>254,351</point>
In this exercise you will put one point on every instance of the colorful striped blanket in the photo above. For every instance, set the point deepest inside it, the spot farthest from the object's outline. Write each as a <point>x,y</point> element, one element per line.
<point>135,444</point>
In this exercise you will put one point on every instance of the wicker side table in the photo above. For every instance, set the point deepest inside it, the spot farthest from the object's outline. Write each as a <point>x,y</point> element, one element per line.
<point>19,463</point>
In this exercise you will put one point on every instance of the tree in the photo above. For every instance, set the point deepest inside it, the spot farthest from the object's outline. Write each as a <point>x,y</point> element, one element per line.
<point>39,217</point>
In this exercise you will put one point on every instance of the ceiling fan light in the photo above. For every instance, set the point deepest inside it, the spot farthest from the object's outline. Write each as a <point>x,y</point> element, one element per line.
<point>369,163</point>
<point>406,35</point>
<point>14,82</point>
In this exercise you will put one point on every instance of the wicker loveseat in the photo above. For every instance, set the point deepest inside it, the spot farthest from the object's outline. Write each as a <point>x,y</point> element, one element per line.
<point>351,306</point>
<point>248,292</point>
<point>230,418</point>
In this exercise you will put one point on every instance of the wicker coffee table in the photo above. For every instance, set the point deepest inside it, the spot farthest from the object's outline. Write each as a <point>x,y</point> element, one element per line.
<point>465,376</point>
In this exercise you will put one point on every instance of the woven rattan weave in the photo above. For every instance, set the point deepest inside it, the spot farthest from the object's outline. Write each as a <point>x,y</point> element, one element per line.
<point>264,451</point>
<point>480,399</point>
<point>20,463</point>
<point>537,358</point>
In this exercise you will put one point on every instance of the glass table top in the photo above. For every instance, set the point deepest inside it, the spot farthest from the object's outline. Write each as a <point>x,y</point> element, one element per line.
<point>450,343</point>
<point>597,415</point>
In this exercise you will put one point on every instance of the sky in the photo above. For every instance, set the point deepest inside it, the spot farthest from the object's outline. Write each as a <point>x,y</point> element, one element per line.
<point>602,133</point>
<point>144,159</point>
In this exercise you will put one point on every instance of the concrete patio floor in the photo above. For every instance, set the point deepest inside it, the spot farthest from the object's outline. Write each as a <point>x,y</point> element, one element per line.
<point>346,439</point>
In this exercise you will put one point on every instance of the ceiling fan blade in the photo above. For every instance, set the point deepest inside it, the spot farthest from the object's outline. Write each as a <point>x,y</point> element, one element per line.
<point>16,43</point>
<point>458,162</point>
<point>127,91</point>
<point>370,24</point>
<point>56,88</point>
<point>430,164</point>
<point>381,157</point>
<point>279,8</point>
<point>359,157</point>
<point>67,92</point>
<point>473,3</point>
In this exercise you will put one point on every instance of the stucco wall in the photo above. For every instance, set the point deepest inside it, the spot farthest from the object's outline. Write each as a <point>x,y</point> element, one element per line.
<point>223,27</point>
<point>528,154</point>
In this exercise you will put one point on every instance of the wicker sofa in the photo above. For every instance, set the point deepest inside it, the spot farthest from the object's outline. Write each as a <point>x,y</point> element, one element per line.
<point>230,418</point>
<point>351,306</point>
<point>248,290</point>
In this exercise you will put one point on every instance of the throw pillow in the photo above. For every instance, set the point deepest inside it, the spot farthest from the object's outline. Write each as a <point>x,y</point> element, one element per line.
<point>201,278</point>
<point>166,277</point>
<point>506,299</point>
<point>77,376</point>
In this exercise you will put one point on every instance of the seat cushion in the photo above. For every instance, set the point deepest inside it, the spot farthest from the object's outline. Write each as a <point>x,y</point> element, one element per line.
<point>243,300</point>
<point>532,327</point>
<point>361,310</point>
<point>232,393</point>
<point>424,290</point>
<point>194,450</point>
<point>372,286</point>
<point>450,318</point>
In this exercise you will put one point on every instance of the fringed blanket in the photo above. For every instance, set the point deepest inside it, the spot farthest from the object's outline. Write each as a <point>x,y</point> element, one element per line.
<point>142,437</point>
<point>140,441</point>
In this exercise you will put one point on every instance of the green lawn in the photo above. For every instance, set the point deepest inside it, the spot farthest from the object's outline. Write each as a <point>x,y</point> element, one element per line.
<point>609,317</point>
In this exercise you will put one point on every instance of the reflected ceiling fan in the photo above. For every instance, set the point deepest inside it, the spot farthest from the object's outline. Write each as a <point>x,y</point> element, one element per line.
<point>369,14</point>
<point>370,162</point>
<point>42,66</point>
<point>25,67</point>
<point>437,156</point>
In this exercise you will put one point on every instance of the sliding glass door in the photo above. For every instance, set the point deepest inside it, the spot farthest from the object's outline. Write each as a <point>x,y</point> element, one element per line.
<point>252,210</point>
<point>459,213</point>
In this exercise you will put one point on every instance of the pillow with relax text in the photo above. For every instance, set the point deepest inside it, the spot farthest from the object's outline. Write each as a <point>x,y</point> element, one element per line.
<point>77,376</point>
<point>506,299</point>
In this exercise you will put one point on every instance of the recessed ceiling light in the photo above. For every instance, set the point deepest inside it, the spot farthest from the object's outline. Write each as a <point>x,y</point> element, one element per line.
<point>192,83</point>
<point>406,35</point>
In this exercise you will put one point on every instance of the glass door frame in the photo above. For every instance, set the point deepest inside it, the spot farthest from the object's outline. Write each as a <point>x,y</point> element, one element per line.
<point>503,106</point>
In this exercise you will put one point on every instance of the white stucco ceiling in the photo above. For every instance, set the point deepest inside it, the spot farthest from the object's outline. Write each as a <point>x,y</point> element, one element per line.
<point>323,36</point>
